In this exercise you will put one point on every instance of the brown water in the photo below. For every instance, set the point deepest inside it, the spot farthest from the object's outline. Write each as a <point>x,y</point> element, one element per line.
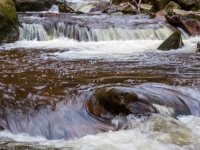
<point>48,97</point>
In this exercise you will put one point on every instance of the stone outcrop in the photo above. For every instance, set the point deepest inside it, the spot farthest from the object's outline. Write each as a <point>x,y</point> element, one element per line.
<point>172,42</point>
<point>9,31</point>
<point>189,21</point>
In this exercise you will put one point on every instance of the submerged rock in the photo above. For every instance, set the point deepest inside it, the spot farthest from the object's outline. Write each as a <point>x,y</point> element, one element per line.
<point>9,31</point>
<point>172,42</point>
<point>116,101</point>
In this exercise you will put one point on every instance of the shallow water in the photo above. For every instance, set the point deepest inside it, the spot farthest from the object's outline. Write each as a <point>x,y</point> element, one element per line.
<point>45,87</point>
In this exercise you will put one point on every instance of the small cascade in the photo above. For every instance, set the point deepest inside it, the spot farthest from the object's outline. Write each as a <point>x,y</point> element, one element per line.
<point>74,31</point>
<point>33,32</point>
<point>54,9</point>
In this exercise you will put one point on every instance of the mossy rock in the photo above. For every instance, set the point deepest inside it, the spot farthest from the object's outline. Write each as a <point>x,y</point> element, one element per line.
<point>9,31</point>
<point>129,11</point>
<point>146,8</point>
<point>171,7</point>
<point>172,42</point>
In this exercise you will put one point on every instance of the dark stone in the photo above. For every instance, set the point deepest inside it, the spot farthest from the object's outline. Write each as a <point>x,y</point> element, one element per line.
<point>187,4</point>
<point>34,5</point>
<point>198,46</point>
<point>9,31</point>
<point>118,101</point>
<point>172,42</point>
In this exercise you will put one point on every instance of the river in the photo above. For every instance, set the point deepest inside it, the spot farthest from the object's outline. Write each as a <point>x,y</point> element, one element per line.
<point>49,75</point>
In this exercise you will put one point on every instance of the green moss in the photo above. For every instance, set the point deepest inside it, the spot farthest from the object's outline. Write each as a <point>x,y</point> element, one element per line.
<point>9,11</point>
<point>9,21</point>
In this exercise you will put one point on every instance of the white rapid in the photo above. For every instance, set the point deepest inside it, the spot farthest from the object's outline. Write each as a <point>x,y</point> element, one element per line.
<point>153,133</point>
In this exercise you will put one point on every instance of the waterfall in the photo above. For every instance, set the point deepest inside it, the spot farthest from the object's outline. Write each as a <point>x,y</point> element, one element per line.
<point>74,31</point>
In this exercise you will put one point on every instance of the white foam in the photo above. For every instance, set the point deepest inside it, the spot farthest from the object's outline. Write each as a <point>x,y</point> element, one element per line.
<point>100,50</point>
<point>153,133</point>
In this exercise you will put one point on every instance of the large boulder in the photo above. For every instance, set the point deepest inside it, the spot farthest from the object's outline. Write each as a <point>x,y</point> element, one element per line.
<point>189,21</point>
<point>9,31</point>
<point>172,42</point>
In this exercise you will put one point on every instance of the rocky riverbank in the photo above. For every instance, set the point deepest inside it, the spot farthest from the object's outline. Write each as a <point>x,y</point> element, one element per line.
<point>9,31</point>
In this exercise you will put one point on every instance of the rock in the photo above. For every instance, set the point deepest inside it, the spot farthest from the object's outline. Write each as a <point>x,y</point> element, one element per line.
<point>116,101</point>
<point>187,4</point>
<point>158,4</point>
<point>9,31</point>
<point>188,20</point>
<point>125,8</point>
<point>33,5</point>
<point>160,15</point>
<point>100,7</point>
<point>41,5</point>
<point>64,8</point>
<point>117,2</point>
<point>172,42</point>
<point>171,7</point>
<point>198,46</point>
<point>146,8</point>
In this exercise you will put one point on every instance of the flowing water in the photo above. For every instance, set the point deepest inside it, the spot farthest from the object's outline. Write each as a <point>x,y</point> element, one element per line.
<point>60,61</point>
